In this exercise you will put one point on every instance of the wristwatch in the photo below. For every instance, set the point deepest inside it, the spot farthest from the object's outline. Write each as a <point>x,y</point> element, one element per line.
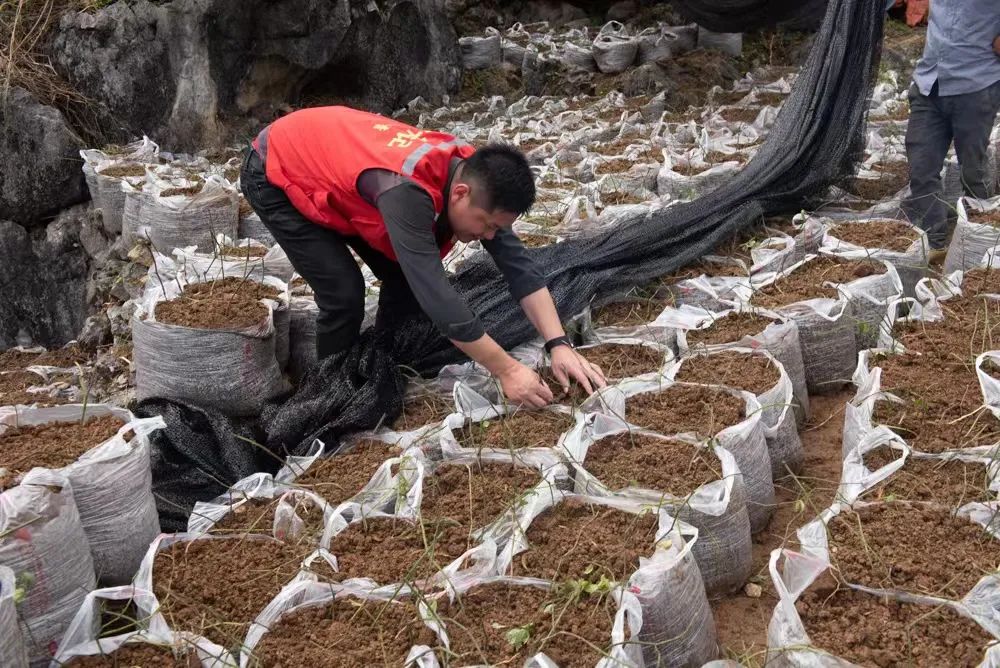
<point>558,341</point>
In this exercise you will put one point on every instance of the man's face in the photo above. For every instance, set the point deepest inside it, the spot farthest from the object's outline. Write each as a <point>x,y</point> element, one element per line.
<point>470,222</point>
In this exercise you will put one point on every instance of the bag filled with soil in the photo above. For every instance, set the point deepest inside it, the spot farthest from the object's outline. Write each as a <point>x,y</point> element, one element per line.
<point>757,372</point>
<point>42,541</point>
<point>213,344</point>
<point>13,651</point>
<point>703,331</point>
<point>902,245</point>
<point>188,215</point>
<point>104,452</point>
<point>976,232</point>
<point>698,483</point>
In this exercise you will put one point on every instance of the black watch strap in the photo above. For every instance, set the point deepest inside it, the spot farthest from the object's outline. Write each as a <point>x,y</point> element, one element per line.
<point>558,341</point>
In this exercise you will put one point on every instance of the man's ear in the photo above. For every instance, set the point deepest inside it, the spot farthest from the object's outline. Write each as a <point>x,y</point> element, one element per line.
<point>459,190</point>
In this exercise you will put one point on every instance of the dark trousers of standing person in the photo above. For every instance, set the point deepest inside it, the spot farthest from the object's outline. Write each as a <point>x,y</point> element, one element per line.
<point>936,121</point>
<point>323,258</point>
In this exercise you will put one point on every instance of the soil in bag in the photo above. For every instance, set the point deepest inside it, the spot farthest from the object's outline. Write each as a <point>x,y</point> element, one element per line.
<point>635,460</point>
<point>229,303</point>
<point>459,499</point>
<point>807,282</point>
<point>256,516</point>
<point>616,360</point>
<point>215,588</point>
<point>873,631</point>
<point>391,550</point>
<point>703,411</point>
<point>51,445</point>
<point>348,632</point>
<point>627,313</point>
<point>951,483</point>
<point>918,550</point>
<point>16,360</point>
<point>941,405</point>
<point>523,429</point>
<point>985,217</point>
<point>503,625</point>
<point>423,409</point>
<point>243,251</point>
<point>892,177</point>
<point>340,476</point>
<point>143,655</point>
<point>14,389</point>
<point>728,329</point>
<point>574,540</point>
<point>121,171</point>
<point>889,235</point>
<point>971,323</point>
<point>745,371</point>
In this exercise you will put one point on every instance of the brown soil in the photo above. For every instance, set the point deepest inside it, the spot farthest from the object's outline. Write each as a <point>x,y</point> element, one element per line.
<point>634,460</point>
<point>942,407</point>
<point>616,166</point>
<point>741,621</point>
<point>217,587</point>
<point>745,371</point>
<point>535,240</point>
<point>950,483</point>
<point>711,269</point>
<point>985,218</point>
<point>574,631</point>
<point>246,209</point>
<point>528,145</point>
<point>893,177</point>
<point>806,282</point>
<point>627,313</point>
<point>14,390</point>
<point>460,499</point>
<point>257,516</point>
<point>299,282</point>
<point>138,656</point>
<point>243,251</point>
<point>232,174</point>
<point>730,97</point>
<point>771,99</point>
<point>423,409</point>
<point>689,169</point>
<point>52,445</point>
<point>894,546</point>
<point>622,143</point>
<point>189,190</point>
<point>122,171</point>
<point>617,361</point>
<point>12,360</point>
<point>888,234</point>
<point>616,197</point>
<point>714,157</point>
<point>740,114</point>
<point>971,324</point>
<point>362,550</point>
<point>704,411</point>
<point>872,631</point>
<point>340,476</point>
<point>230,303</point>
<point>348,632</point>
<point>574,540</point>
<point>728,329</point>
<point>523,429</point>
<point>899,112</point>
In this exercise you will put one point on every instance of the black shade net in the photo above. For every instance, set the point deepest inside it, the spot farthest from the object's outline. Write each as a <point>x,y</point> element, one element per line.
<point>815,140</point>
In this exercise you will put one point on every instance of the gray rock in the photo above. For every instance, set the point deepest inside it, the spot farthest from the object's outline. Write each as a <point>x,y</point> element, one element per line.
<point>174,70</point>
<point>41,166</point>
<point>44,278</point>
<point>622,11</point>
<point>96,331</point>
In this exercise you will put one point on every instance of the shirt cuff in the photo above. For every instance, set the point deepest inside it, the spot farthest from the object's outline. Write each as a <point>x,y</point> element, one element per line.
<point>466,332</point>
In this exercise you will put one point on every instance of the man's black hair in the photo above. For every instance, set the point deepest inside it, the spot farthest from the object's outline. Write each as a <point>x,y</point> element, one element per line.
<point>503,179</point>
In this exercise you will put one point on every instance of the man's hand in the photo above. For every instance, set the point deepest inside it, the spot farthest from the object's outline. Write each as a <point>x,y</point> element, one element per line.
<point>996,45</point>
<point>569,365</point>
<point>523,386</point>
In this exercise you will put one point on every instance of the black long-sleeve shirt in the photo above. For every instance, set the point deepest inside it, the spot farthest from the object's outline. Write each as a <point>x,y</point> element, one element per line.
<point>408,210</point>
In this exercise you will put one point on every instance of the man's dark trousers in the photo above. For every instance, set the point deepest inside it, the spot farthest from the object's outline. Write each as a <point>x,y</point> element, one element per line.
<point>322,256</point>
<point>936,121</point>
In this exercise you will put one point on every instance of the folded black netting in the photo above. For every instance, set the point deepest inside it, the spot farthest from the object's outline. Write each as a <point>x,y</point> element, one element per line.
<point>745,15</point>
<point>815,140</point>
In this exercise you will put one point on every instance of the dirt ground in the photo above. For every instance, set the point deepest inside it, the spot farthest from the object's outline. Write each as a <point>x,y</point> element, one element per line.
<point>741,620</point>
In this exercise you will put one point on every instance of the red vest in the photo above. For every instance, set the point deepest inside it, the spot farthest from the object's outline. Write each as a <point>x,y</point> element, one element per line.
<point>316,155</point>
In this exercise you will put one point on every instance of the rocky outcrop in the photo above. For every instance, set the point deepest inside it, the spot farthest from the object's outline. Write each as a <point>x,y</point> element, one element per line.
<point>185,70</point>
<point>39,161</point>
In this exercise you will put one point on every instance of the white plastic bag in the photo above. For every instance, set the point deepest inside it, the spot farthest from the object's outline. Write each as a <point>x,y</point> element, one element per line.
<point>13,652</point>
<point>112,487</point>
<point>614,49</point>
<point>177,221</point>
<point>42,541</point>
<point>970,240</point>
<point>718,509</point>
<point>480,53</point>
<point>911,264</point>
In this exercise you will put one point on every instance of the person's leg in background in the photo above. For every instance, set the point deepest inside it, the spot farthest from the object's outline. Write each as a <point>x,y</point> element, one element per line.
<point>320,255</point>
<point>972,118</point>
<point>928,136</point>
<point>396,301</point>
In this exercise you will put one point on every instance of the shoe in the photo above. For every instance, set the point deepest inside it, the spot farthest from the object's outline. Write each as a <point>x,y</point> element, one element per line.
<point>936,256</point>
